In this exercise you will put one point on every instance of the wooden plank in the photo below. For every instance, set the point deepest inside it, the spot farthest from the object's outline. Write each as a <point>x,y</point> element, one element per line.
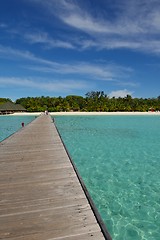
<point>41,197</point>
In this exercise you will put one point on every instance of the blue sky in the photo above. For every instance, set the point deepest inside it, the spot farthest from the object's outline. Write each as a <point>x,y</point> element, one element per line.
<point>71,47</point>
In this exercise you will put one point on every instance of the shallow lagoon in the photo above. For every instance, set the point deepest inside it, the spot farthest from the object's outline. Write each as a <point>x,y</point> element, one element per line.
<point>119,160</point>
<point>10,124</point>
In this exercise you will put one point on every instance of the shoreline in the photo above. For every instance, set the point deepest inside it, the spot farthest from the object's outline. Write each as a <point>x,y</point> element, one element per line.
<point>85,113</point>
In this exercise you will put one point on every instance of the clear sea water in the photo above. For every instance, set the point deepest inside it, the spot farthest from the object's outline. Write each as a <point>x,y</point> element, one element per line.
<point>11,124</point>
<point>118,158</point>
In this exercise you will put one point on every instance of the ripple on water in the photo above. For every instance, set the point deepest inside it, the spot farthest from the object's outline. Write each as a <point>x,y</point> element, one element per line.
<point>10,124</point>
<point>118,158</point>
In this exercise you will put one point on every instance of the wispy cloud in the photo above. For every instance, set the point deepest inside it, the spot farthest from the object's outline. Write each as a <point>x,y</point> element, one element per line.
<point>89,71</point>
<point>8,52</point>
<point>16,54</point>
<point>136,24</point>
<point>48,42</point>
<point>100,72</point>
<point>44,84</point>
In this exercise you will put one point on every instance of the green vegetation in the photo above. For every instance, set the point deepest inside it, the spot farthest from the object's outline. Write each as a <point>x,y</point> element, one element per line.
<point>93,101</point>
<point>4,100</point>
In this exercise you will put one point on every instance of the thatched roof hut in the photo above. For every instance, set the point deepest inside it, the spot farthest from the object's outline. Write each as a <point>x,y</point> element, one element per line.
<point>9,107</point>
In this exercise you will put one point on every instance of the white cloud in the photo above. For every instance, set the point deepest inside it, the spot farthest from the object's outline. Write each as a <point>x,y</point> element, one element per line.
<point>95,71</point>
<point>51,86</point>
<point>135,26</point>
<point>85,70</point>
<point>130,17</point>
<point>16,54</point>
<point>43,38</point>
<point>11,53</point>
<point>91,73</point>
<point>85,23</point>
<point>120,93</point>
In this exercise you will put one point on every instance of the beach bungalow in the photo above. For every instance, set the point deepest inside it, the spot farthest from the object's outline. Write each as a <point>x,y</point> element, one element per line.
<point>9,108</point>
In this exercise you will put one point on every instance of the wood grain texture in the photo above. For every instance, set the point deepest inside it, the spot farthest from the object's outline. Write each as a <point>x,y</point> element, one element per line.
<point>40,195</point>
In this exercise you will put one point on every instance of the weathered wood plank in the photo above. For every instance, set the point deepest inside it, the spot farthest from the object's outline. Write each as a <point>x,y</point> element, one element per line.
<point>40,195</point>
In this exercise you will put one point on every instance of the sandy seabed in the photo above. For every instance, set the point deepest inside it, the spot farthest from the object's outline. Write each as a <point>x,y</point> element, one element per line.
<point>86,113</point>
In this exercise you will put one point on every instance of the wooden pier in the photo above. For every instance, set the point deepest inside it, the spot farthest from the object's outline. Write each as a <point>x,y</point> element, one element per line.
<point>41,197</point>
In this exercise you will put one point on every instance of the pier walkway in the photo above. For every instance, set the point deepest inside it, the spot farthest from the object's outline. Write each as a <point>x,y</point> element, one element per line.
<point>41,197</point>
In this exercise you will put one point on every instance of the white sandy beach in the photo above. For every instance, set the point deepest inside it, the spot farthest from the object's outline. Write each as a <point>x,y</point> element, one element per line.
<point>86,113</point>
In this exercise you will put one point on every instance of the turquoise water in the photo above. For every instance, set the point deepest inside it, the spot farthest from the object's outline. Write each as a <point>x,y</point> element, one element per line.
<point>119,160</point>
<point>10,124</point>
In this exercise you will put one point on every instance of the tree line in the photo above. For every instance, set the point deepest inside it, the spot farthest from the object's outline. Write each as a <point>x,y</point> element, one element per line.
<point>93,101</point>
<point>4,100</point>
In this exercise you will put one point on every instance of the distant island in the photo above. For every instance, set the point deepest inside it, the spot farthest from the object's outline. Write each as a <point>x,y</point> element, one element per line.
<point>94,101</point>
